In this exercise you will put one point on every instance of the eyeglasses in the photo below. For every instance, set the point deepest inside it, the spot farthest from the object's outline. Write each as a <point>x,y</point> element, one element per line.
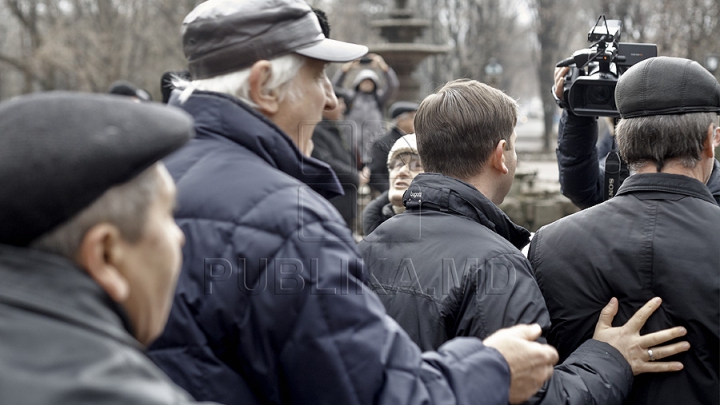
<point>412,161</point>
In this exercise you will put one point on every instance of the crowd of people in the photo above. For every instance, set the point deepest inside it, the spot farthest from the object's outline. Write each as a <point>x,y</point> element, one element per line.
<point>203,252</point>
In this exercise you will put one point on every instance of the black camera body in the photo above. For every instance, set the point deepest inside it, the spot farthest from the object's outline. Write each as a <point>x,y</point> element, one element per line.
<point>590,84</point>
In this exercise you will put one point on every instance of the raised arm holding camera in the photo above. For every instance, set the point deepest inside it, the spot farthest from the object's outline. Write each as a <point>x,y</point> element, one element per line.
<point>657,237</point>
<point>584,87</point>
<point>367,97</point>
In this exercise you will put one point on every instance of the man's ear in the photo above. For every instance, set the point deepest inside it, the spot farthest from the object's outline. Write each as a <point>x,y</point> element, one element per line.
<point>99,254</point>
<point>715,136</point>
<point>497,158</point>
<point>267,101</point>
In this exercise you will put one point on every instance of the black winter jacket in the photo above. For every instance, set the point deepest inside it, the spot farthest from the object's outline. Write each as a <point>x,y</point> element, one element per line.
<point>379,175</point>
<point>581,179</point>
<point>332,147</point>
<point>451,266</point>
<point>65,342</point>
<point>269,306</point>
<point>660,236</point>
<point>378,211</point>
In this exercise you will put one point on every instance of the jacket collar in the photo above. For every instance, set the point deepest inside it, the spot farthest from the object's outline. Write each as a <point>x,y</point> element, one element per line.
<point>665,182</point>
<point>54,287</point>
<point>434,191</point>
<point>714,182</point>
<point>397,133</point>
<point>220,115</point>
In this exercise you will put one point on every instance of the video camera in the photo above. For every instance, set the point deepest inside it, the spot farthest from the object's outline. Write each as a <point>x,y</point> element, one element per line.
<point>590,84</point>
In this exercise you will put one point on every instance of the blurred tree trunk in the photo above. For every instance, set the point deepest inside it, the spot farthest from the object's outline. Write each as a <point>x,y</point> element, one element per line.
<point>550,22</point>
<point>88,44</point>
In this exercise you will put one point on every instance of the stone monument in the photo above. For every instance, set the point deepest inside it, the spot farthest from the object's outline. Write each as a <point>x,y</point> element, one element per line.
<point>401,51</point>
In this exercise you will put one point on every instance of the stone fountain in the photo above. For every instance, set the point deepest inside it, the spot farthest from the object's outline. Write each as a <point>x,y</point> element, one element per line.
<point>401,52</point>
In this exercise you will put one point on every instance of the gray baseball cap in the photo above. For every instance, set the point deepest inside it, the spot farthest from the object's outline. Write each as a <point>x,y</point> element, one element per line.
<point>224,36</point>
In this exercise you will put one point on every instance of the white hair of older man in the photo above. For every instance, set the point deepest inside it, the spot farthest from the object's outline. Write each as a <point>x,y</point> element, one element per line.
<point>282,70</point>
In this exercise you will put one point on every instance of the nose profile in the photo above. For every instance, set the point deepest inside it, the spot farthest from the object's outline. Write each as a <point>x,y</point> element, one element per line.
<point>404,170</point>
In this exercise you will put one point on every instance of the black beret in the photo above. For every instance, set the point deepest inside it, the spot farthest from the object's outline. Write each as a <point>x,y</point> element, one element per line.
<point>61,151</point>
<point>123,88</point>
<point>400,107</point>
<point>664,85</point>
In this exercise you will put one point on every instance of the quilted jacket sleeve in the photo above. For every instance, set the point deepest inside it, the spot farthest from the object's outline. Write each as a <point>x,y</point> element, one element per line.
<point>580,177</point>
<point>595,373</point>
<point>330,341</point>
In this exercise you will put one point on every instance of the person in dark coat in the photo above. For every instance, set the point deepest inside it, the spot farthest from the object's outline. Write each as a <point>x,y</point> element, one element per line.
<point>581,178</point>
<point>332,146</point>
<point>89,250</point>
<point>658,237</point>
<point>403,158</point>
<point>270,306</point>
<point>402,114</point>
<point>450,265</point>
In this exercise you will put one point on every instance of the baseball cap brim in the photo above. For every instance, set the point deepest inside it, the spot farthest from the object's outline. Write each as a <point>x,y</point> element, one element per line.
<point>330,50</point>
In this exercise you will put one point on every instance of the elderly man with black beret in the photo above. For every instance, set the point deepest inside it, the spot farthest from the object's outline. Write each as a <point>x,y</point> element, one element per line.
<point>270,306</point>
<point>89,250</point>
<point>659,236</point>
<point>581,164</point>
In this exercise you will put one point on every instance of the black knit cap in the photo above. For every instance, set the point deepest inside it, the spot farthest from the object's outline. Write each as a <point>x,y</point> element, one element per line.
<point>61,151</point>
<point>664,85</point>
<point>401,107</point>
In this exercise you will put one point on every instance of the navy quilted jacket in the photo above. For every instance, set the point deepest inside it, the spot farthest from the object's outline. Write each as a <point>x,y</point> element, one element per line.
<point>269,307</point>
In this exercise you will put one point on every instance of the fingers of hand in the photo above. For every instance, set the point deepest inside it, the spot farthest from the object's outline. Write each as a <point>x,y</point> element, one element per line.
<point>526,332</point>
<point>530,374</point>
<point>551,355</point>
<point>607,315</point>
<point>656,338</point>
<point>540,356</point>
<point>657,367</point>
<point>560,76</point>
<point>641,316</point>
<point>529,332</point>
<point>662,352</point>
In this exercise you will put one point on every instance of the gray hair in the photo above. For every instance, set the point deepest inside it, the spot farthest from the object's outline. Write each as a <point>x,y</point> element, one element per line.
<point>237,84</point>
<point>125,206</point>
<point>659,138</point>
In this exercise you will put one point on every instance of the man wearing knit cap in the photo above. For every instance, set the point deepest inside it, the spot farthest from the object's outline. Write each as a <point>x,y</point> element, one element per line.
<point>659,236</point>
<point>402,114</point>
<point>270,306</point>
<point>450,265</point>
<point>89,250</point>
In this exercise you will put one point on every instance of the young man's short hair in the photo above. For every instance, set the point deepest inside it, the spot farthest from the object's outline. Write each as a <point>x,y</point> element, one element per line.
<point>459,126</point>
